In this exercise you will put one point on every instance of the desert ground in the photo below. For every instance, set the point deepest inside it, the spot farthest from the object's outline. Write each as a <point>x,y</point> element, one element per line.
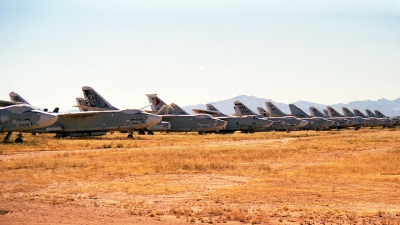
<point>302,177</point>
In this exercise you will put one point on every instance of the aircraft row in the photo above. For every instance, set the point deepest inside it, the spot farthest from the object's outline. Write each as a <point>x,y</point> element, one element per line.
<point>97,116</point>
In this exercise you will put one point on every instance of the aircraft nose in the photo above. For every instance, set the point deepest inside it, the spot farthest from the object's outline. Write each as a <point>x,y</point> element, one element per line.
<point>46,119</point>
<point>3,118</point>
<point>221,124</point>
<point>303,123</point>
<point>267,123</point>
<point>153,119</point>
<point>329,123</point>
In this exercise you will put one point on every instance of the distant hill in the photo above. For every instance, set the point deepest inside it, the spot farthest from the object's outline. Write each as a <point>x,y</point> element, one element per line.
<point>389,108</point>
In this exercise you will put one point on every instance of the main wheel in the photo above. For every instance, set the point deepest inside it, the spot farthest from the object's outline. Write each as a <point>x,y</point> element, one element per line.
<point>130,136</point>
<point>19,140</point>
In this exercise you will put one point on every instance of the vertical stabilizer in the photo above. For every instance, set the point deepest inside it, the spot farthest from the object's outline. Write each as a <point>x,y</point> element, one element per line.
<point>17,98</point>
<point>163,110</point>
<point>297,112</point>
<point>242,110</point>
<point>262,112</point>
<point>155,102</point>
<point>212,108</point>
<point>332,112</point>
<point>379,114</point>
<point>315,112</point>
<point>370,113</point>
<point>94,99</point>
<point>359,113</point>
<point>81,102</point>
<point>347,112</point>
<point>271,107</point>
<point>178,110</point>
<point>326,112</point>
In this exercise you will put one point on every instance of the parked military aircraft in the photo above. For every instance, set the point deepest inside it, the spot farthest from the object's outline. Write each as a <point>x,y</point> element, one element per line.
<point>97,123</point>
<point>95,102</point>
<point>338,122</point>
<point>386,122</point>
<point>395,120</point>
<point>199,122</point>
<point>286,123</point>
<point>358,121</point>
<point>15,97</point>
<point>23,117</point>
<point>369,121</point>
<point>246,124</point>
<point>314,123</point>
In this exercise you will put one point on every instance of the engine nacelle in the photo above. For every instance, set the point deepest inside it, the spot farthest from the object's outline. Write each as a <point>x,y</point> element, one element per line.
<point>161,126</point>
<point>3,118</point>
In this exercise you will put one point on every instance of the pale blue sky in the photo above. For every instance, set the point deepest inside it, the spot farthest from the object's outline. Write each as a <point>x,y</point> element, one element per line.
<point>192,52</point>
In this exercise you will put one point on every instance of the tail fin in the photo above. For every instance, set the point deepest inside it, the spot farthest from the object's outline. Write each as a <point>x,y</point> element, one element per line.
<point>347,112</point>
<point>297,112</point>
<point>370,113</point>
<point>359,113</point>
<point>332,112</point>
<point>315,112</point>
<point>215,110</point>
<point>56,109</point>
<point>211,107</point>
<point>210,110</point>
<point>81,102</point>
<point>94,99</point>
<point>274,110</point>
<point>379,114</point>
<point>326,112</point>
<point>242,110</point>
<point>164,110</point>
<point>155,102</point>
<point>178,110</point>
<point>17,98</point>
<point>262,112</point>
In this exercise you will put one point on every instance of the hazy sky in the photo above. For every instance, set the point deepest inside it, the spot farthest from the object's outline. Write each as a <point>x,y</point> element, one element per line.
<point>192,52</point>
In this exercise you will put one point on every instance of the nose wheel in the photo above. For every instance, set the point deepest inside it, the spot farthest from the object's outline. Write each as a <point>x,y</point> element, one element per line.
<point>19,138</point>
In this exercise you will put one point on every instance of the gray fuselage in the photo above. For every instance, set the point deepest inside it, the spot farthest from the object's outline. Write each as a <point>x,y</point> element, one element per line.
<point>100,121</point>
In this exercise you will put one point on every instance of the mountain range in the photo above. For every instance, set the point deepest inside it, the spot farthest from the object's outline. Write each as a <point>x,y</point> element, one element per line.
<point>387,107</point>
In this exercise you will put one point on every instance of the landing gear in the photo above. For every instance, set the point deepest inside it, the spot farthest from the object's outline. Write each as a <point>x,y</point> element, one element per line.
<point>19,138</point>
<point>201,133</point>
<point>141,132</point>
<point>130,136</point>
<point>150,132</point>
<point>59,135</point>
<point>7,137</point>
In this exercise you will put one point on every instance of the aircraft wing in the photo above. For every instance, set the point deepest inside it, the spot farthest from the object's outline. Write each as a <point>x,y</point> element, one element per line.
<point>272,114</point>
<point>80,114</point>
<point>91,108</point>
<point>211,112</point>
<point>4,103</point>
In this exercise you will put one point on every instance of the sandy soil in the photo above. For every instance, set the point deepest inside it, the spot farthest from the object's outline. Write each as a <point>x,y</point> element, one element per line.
<point>48,205</point>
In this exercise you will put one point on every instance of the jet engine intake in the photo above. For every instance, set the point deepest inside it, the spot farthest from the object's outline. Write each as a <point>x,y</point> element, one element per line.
<point>3,118</point>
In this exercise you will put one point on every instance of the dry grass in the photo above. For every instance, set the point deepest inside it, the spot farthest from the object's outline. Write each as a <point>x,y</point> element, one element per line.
<point>300,177</point>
